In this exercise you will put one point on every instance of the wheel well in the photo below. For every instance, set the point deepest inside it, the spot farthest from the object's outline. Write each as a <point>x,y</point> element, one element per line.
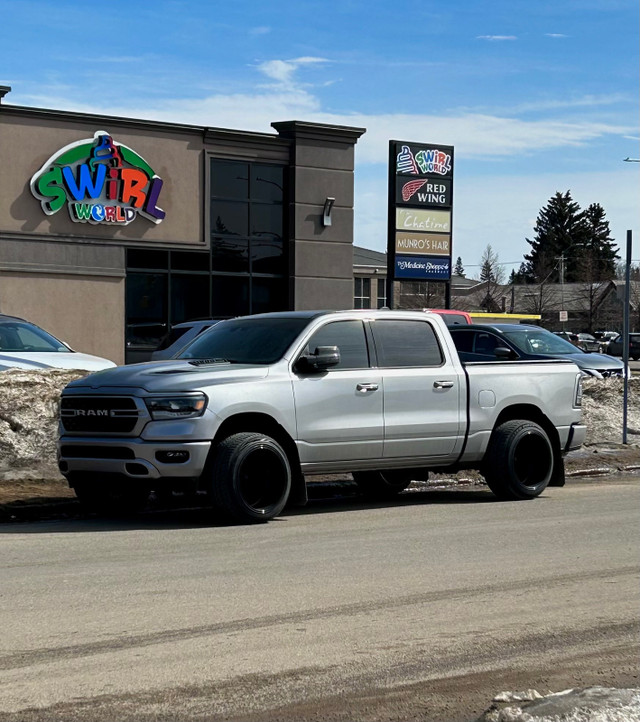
<point>265,424</point>
<point>529,412</point>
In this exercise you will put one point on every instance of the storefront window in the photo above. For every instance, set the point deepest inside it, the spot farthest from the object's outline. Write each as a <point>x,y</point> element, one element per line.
<point>189,297</point>
<point>244,272</point>
<point>362,293</point>
<point>147,317</point>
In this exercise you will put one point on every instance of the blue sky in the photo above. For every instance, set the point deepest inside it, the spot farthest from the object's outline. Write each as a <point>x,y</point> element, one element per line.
<point>536,96</point>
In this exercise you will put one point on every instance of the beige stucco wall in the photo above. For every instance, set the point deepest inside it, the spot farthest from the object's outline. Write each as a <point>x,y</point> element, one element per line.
<point>85,311</point>
<point>28,141</point>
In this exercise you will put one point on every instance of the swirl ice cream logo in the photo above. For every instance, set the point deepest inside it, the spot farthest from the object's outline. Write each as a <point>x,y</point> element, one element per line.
<point>432,161</point>
<point>100,181</point>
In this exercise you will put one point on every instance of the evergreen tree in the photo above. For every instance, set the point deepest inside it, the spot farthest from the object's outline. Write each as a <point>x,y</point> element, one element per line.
<point>519,276</point>
<point>458,269</point>
<point>597,259</point>
<point>559,227</point>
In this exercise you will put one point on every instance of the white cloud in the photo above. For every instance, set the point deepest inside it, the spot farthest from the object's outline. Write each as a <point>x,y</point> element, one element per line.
<point>556,35</point>
<point>493,38</point>
<point>283,71</point>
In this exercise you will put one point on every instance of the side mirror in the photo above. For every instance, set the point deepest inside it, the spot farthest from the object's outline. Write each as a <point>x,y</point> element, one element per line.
<point>502,352</point>
<point>323,358</point>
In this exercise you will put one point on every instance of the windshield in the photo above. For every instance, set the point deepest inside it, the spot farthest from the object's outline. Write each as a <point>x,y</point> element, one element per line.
<point>19,336</point>
<point>246,340</point>
<point>537,340</point>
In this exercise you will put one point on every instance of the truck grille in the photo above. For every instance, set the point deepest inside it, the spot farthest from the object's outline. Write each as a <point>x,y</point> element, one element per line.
<point>109,414</point>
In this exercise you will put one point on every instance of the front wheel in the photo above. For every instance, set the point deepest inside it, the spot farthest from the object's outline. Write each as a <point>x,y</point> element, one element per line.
<point>381,484</point>
<point>519,462</point>
<point>251,477</point>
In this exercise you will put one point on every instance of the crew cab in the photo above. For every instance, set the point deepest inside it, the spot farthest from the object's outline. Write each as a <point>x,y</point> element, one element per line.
<point>255,403</point>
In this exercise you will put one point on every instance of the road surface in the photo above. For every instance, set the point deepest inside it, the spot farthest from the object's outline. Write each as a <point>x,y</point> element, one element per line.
<point>420,609</point>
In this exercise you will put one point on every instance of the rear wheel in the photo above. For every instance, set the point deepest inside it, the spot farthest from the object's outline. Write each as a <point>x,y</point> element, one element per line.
<point>381,484</point>
<point>520,460</point>
<point>102,494</point>
<point>251,477</point>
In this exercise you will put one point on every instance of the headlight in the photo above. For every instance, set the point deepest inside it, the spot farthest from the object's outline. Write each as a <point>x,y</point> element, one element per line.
<point>176,407</point>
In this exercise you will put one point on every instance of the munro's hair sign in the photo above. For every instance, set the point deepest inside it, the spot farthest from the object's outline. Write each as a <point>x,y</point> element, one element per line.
<point>100,181</point>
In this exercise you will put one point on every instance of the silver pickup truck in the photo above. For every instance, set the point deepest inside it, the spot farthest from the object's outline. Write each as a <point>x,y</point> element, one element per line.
<point>255,403</point>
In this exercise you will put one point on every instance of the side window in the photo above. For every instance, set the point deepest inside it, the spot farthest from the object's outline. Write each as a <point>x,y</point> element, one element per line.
<point>349,337</point>
<point>463,340</point>
<point>406,343</point>
<point>486,344</point>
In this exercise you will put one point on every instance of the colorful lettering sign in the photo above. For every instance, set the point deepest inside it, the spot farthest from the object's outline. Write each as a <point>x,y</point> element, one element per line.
<point>436,244</point>
<point>426,161</point>
<point>415,219</point>
<point>100,181</point>
<point>423,192</point>
<point>423,268</point>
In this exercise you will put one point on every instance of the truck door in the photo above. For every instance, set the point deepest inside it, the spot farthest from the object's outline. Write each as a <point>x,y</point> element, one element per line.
<point>423,396</point>
<point>339,411</point>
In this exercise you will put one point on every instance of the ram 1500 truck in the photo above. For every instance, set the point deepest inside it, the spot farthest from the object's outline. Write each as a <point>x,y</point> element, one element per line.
<point>257,402</point>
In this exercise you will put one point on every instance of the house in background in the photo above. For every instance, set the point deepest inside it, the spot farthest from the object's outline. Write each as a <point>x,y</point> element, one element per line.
<point>588,306</point>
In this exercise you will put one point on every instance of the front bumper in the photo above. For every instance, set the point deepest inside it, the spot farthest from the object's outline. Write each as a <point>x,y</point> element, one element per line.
<point>134,458</point>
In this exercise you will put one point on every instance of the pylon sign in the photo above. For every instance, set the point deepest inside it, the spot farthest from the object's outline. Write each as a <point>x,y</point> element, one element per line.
<point>420,211</point>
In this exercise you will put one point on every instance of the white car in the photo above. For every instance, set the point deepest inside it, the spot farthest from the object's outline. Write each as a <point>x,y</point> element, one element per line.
<point>23,345</point>
<point>180,335</point>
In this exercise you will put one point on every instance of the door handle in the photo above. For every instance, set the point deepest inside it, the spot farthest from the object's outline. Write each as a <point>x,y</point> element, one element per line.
<point>367,387</point>
<point>442,384</point>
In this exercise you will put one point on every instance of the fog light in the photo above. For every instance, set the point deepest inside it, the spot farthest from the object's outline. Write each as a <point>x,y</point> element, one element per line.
<point>172,456</point>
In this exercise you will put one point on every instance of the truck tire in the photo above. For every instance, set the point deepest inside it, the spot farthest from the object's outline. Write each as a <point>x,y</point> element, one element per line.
<point>519,462</point>
<point>251,477</point>
<point>110,497</point>
<point>381,484</point>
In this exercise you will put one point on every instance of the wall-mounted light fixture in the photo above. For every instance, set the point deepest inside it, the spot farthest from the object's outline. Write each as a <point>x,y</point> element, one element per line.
<point>326,213</point>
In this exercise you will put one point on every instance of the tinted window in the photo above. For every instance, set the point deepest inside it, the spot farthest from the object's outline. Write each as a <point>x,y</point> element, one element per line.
<point>349,337</point>
<point>485,344</point>
<point>171,338</point>
<point>463,340</point>
<point>189,297</point>
<point>248,340</point>
<point>406,343</point>
<point>267,182</point>
<point>229,179</point>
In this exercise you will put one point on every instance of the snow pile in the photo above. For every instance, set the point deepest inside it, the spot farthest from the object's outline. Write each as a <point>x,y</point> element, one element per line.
<point>29,403</point>
<point>29,406</point>
<point>593,704</point>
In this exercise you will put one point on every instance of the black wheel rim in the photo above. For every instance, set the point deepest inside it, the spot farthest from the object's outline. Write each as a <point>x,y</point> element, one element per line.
<point>532,460</point>
<point>262,480</point>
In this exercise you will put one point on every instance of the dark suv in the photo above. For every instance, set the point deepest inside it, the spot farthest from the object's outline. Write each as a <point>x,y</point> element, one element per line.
<point>615,347</point>
<point>510,341</point>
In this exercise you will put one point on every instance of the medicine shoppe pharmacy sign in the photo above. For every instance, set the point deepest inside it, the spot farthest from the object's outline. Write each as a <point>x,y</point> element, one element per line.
<point>99,181</point>
<point>420,208</point>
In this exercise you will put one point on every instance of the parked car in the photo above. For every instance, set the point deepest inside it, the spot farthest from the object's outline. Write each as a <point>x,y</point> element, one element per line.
<point>568,336</point>
<point>615,347</point>
<point>504,342</point>
<point>605,336</point>
<point>587,342</point>
<point>24,345</point>
<point>180,335</point>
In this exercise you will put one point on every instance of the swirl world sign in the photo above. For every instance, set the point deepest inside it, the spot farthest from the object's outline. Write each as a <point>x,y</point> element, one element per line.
<point>420,210</point>
<point>99,181</point>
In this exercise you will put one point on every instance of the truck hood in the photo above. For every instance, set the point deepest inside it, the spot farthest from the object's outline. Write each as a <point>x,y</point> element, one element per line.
<point>172,375</point>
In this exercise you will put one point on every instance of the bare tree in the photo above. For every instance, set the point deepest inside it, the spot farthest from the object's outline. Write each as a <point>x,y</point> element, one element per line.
<point>491,273</point>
